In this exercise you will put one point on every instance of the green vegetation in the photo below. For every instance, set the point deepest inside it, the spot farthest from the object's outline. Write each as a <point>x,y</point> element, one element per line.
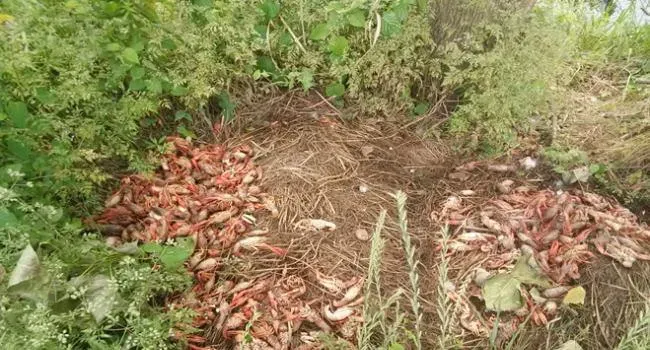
<point>86,87</point>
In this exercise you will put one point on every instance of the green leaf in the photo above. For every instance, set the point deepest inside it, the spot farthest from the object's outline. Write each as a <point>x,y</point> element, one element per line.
<point>227,106</point>
<point>151,247</point>
<point>173,257</point>
<point>575,295</point>
<point>180,115</point>
<point>154,86</point>
<point>130,55</point>
<point>357,18</point>
<point>7,218</point>
<point>265,64</point>
<point>113,47</point>
<point>168,43</point>
<point>396,346</point>
<point>390,24</point>
<point>137,85</point>
<point>179,90</point>
<point>185,132</point>
<point>421,108</point>
<point>137,72</point>
<point>112,8</point>
<point>338,45</point>
<point>270,8</point>
<point>335,89</point>
<point>18,113</point>
<point>306,78</point>
<point>261,30</point>
<point>27,267</point>
<point>44,96</point>
<point>527,275</point>
<point>101,296</point>
<point>18,149</point>
<point>319,32</point>
<point>501,293</point>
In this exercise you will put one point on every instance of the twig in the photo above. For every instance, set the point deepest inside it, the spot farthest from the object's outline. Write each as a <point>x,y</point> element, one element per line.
<point>295,38</point>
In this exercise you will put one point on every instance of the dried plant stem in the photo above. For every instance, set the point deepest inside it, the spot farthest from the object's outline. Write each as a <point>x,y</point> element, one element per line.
<point>414,277</point>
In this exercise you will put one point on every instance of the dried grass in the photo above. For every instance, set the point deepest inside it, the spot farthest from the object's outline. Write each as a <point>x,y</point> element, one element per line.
<point>313,167</point>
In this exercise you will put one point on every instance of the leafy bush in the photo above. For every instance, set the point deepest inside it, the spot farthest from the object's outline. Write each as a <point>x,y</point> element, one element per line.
<point>89,297</point>
<point>80,79</point>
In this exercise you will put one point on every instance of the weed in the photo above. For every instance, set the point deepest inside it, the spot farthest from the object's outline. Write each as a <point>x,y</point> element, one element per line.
<point>444,306</point>
<point>414,277</point>
<point>638,336</point>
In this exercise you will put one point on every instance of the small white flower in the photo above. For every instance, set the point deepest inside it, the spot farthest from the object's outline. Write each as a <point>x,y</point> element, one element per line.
<point>15,173</point>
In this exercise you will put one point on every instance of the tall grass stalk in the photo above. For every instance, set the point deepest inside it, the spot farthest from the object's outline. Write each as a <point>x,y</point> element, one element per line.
<point>414,277</point>
<point>444,306</point>
<point>372,296</point>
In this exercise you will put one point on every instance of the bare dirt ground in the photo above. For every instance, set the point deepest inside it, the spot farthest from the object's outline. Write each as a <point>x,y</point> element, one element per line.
<point>319,166</point>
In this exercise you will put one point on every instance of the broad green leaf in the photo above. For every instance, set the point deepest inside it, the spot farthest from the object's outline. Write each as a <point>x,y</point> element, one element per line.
<point>227,106</point>
<point>390,24</point>
<point>501,293</point>
<point>335,89</point>
<point>338,45</point>
<point>285,40</point>
<point>421,108</point>
<point>112,8</point>
<point>101,297</point>
<point>168,43</point>
<point>27,267</point>
<point>137,72</point>
<point>130,55</point>
<point>527,275</point>
<point>154,86</point>
<point>7,218</point>
<point>270,8</point>
<point>151,248</point>
<point>185,132</point>
<point>265,64</point>
<point>306,78</point>
<point>575,295</point>
<point>44,95</point>
<point>261,30</point>
<point>319,32</point>
<point>18,113</point>
<point>180,115</point>
<point>570,345</point>
<point>173,257</point>
<point>113,47</point>
<point>401,9</point>
<point>357,18</point>
<point>137,85</point>
<point>179,90</point>
<point>18,149</point>
<point>396,346</point>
